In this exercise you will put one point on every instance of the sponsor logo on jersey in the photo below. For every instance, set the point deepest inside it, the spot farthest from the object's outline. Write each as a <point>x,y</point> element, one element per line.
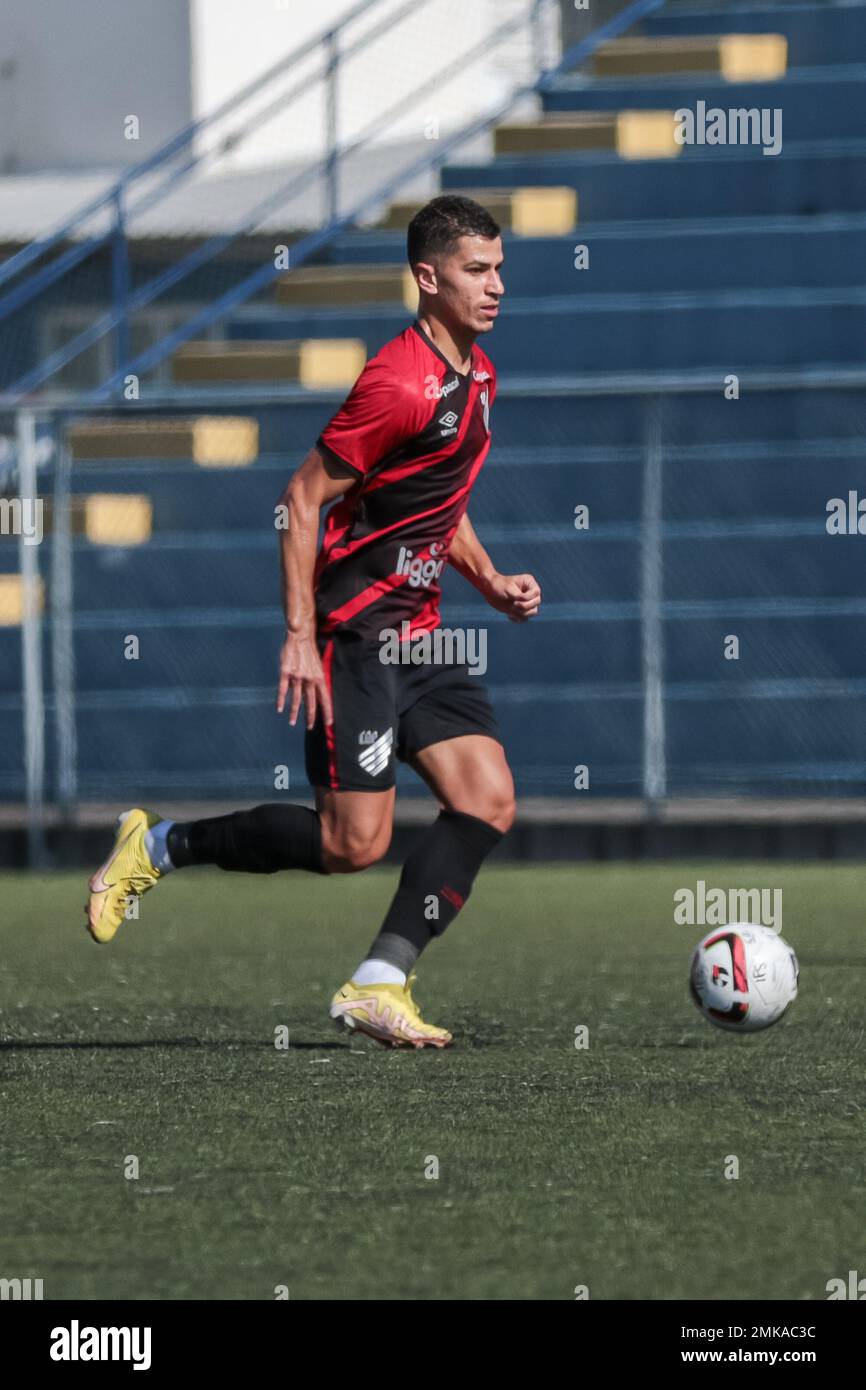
<point>480,376</point>
<point>485,402</point>
<point>368,735</point>
<point>375,757</point>
<point>448,386</point>
<point>421,573</point>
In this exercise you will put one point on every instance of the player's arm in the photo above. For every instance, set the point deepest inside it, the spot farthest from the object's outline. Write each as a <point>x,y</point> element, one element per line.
<point>317,482</point>
<point>517,595</point>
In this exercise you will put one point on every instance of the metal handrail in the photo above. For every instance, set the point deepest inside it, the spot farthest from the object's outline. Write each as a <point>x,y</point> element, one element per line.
<point>308,245</point>
<point>173,274</point>
<point>115,196</point>
<point>184,137</point>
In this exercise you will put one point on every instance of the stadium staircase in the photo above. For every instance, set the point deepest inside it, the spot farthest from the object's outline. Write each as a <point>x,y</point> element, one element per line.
<point>703,263</point>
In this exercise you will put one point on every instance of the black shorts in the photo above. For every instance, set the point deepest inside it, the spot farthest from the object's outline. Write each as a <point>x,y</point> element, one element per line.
<point>385,710</point>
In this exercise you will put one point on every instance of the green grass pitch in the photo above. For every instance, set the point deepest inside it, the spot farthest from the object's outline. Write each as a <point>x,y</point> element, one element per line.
<point>307,1167</point>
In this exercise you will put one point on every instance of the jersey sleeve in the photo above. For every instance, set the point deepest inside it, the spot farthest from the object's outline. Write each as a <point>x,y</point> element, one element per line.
<point>378,414</point>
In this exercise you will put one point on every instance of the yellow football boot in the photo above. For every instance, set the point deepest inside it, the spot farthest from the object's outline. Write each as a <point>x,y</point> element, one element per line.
<point>126,873</point>
<point>387,1013</point>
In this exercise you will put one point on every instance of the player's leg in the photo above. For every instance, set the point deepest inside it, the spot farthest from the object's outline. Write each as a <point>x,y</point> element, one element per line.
<point>356,827</point>
<point>449,735</point>
<point>349,827</point>
<point>473,783</point>
<point>347,831</point>
<point>148,846</point>
<point>470,777</point>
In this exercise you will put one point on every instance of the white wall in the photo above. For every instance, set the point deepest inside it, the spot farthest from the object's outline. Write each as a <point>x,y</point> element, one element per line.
<point>233,42</point>
<point>71,71</point>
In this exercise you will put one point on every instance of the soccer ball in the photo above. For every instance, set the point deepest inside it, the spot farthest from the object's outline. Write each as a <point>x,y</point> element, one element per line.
<point>743,977</point>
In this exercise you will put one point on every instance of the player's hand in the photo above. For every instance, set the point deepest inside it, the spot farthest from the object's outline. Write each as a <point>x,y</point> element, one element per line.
<point>301,673</point>
<point>516,595</point>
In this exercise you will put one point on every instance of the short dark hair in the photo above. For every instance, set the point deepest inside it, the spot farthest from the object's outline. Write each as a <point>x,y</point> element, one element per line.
<point>437,227</point>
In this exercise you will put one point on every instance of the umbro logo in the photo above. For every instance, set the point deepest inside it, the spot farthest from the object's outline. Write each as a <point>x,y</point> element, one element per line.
<point>375,757</point>
<point>449,418</point>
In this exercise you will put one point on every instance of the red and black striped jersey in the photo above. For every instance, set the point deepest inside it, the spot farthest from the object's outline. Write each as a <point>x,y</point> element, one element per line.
<point>416,432</point>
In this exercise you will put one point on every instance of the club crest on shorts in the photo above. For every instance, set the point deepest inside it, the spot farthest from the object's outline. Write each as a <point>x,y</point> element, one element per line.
<point>374,757</point>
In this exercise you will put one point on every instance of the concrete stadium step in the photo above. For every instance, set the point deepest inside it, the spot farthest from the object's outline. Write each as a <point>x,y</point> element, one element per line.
<point>793,640</point>
<point>181,496</point>
<point>745,253</point>
<point>533,484</point>
<point>784,646</point>
<point>326,285</point>
<point>167,752</point>
<point>212,441</point>
<point>596,567</point>
<point>244,652</point>
<point>723,484</point>
<point>714,182</point>
<point>736,57</point>
<point>549,412</point>
<point>810,567</point>
<point>816,103</point>
<point>816,33</point>
<point>524,212</point>
<point>552,413</point>
<point>528,414</point>
<point>781,646</point>
<point>193,746</point>
<point>114,517</point>
<point>213,570</point>
<point>12,593</point>
<point>313,363</point>
<point>761,482</point>
<point>629,134</point>
<point>761,743</point>
<point>729,330</point>
<point>542,486</point>
<point>241,744</point>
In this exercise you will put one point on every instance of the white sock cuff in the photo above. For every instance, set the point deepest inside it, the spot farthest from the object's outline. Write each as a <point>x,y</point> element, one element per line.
<point>378,972</point>
<point>155,844</point>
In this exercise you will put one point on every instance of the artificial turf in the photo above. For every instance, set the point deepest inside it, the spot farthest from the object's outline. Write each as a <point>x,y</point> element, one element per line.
<point>306,1169</point>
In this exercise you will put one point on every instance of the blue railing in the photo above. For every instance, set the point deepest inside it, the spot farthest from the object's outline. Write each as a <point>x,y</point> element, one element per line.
<point>125,303</point>
<point>114,200</point>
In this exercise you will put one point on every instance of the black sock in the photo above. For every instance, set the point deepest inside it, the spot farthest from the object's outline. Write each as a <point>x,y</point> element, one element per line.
<point>437,879</point>
<point>261,841</point>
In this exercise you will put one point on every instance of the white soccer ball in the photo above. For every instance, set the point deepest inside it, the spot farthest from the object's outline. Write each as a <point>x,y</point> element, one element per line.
<point>743,977</point>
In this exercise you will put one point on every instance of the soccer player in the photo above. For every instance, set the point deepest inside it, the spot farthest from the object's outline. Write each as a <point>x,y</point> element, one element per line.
<point>402,454</point>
